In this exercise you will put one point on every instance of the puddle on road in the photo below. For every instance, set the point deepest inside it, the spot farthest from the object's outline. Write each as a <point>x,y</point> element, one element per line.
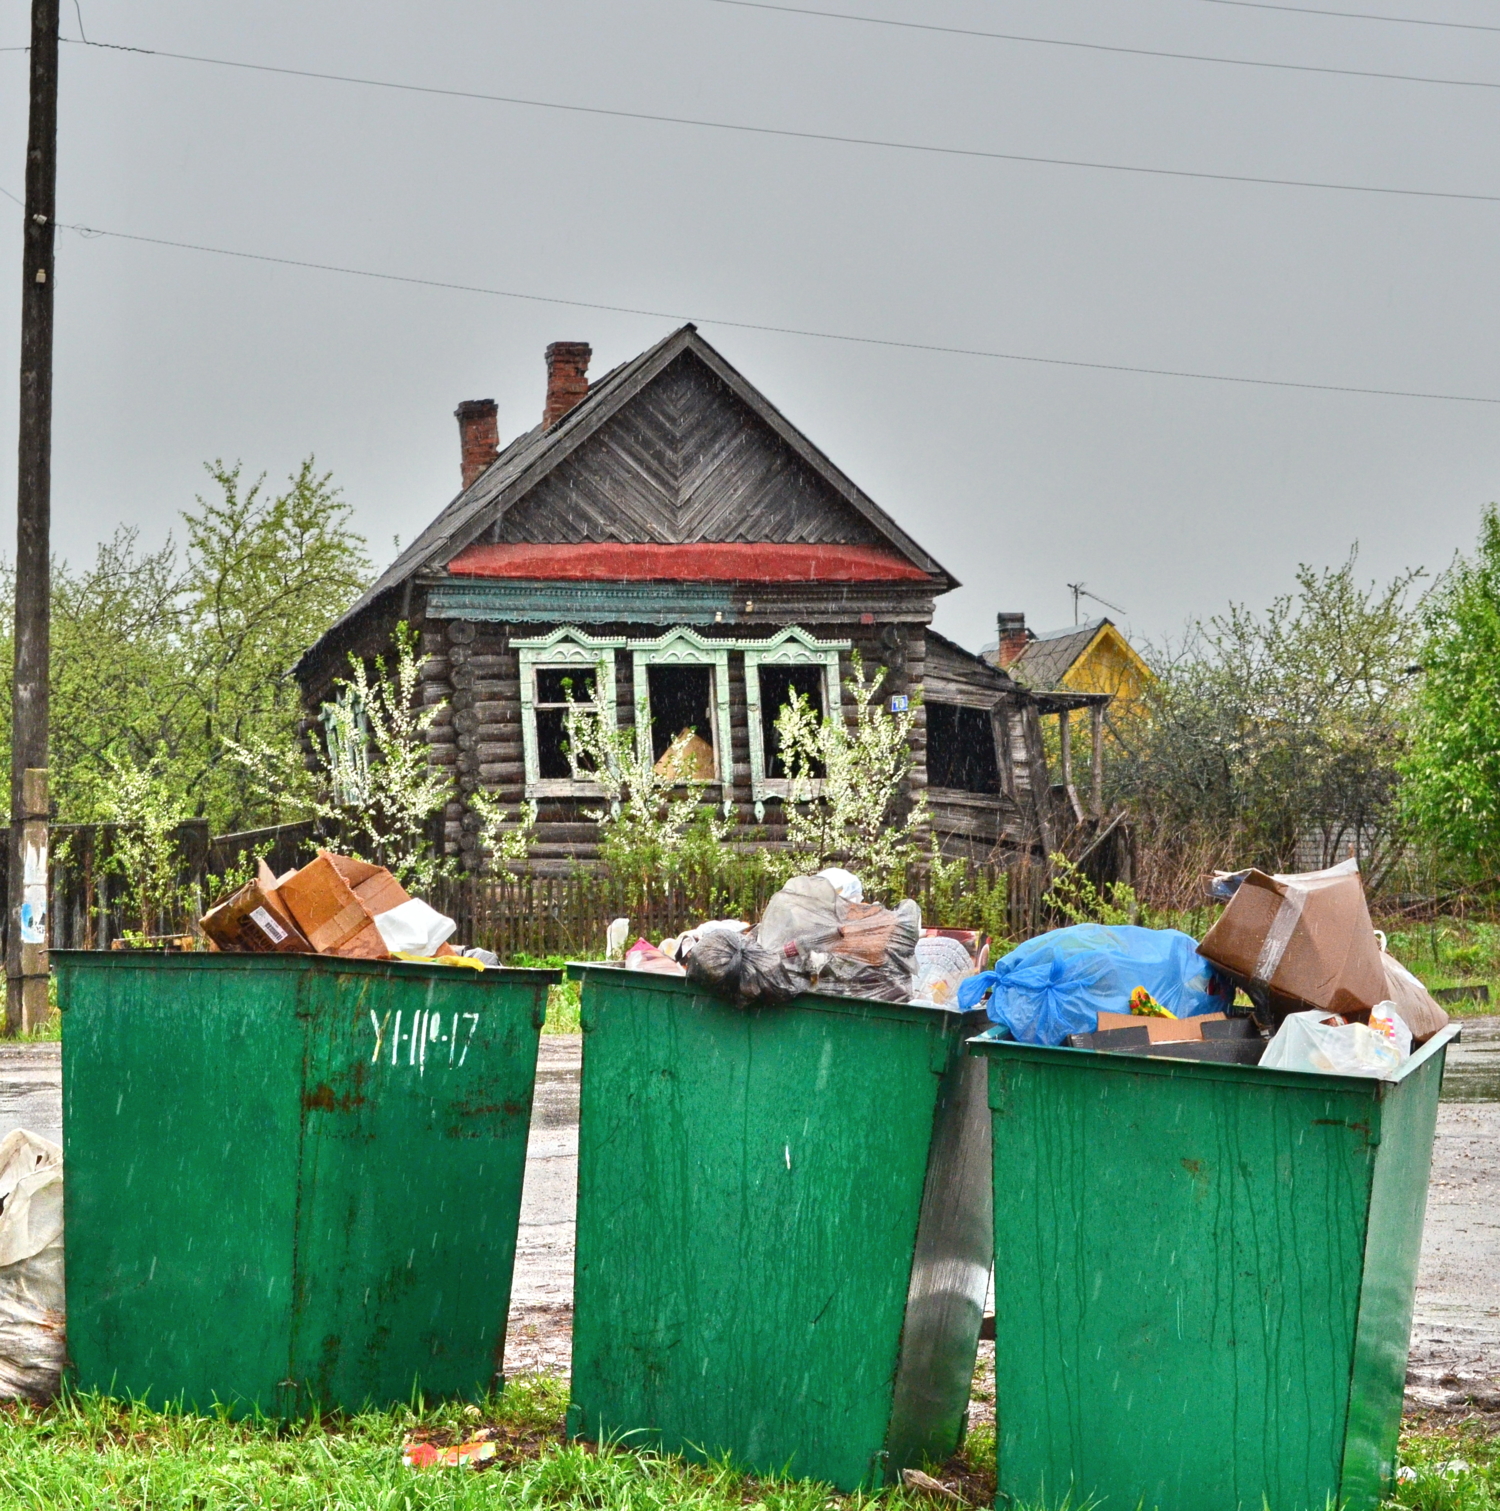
<point>1472,1073</point>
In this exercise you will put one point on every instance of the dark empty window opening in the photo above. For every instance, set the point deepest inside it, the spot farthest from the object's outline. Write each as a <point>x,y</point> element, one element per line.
<point>961,749</point>
<point>778,686</point>
<point>556,688</point>
<point>681,703</point>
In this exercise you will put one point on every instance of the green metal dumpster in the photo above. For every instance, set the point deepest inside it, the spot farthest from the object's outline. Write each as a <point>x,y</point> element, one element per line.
<point>293,1181</point>
<point>1205,1296</point>
<point>783,1227</point>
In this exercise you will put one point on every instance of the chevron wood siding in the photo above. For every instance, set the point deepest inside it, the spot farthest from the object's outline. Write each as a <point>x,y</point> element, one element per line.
<point>685,460</point>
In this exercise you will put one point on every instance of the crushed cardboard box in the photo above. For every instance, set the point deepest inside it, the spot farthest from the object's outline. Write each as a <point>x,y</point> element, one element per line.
<point>328,907</point>
<point>1300,941</point>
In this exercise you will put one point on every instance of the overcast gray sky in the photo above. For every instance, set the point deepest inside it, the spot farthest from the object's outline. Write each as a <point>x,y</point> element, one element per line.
<point>1166,495</point>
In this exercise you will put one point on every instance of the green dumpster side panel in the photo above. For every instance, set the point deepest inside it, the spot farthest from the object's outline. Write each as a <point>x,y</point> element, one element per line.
<point>1398,1206</point>
<point>749,1187</point>
<point>1188,1317</point>
<point>292,1181</point>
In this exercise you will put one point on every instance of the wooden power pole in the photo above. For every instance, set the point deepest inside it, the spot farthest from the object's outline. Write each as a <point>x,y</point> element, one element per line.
<point>26,872</point>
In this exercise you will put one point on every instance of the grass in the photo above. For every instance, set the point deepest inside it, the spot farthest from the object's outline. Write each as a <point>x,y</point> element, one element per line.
<point>1450,952</point>
<point>1457,1466</point>
<point>89,1452</point>
<point>562,999</point>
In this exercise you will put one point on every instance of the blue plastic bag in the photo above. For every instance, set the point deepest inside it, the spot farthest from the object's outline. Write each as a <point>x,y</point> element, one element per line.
<point>1057,984</point>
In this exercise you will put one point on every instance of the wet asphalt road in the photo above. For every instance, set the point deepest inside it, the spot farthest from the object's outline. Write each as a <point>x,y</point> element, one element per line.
<point>1455,1352</point>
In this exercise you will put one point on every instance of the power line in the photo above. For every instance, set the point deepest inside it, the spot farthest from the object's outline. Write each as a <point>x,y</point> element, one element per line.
<point>1133,52</point>
<point>782,330</point>
<point>1354,15</point>
<point>805,136</point>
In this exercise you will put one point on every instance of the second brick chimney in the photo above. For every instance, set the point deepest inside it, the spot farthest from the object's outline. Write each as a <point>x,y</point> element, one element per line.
<point>1013,637</point>
<point>567,378</point>
<point>478,436</point>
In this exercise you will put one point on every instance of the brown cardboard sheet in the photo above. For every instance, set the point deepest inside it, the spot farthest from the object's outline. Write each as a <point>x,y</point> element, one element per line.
<point>1162,1030</point>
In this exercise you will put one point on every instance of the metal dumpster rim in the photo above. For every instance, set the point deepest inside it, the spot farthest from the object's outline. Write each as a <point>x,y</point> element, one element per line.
<point>1244,1075</point>
<point>828,1002</point>
<point>178,960</point>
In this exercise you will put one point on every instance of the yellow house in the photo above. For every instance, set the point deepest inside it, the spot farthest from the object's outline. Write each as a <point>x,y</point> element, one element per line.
<point>1084,658</point>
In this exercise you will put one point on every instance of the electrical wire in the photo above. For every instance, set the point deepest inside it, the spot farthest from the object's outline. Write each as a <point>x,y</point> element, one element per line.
<point>1133,52</point>
<point>804,136</point>
<point>1355,15</point>
<point>889,343</point>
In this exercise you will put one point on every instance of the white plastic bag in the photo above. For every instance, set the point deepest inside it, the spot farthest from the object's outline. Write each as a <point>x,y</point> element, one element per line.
<point>1388,1022</point>
<point>941,965</point>
<point>414,928</point>
<point>32,1336</point>
<point>1306,1041</point>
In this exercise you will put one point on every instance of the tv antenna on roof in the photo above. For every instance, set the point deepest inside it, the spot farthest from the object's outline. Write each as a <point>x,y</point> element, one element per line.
<point>1080,590</point>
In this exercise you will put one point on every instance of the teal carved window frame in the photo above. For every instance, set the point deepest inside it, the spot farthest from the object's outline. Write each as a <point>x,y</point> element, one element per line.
<point>565,648</point>
<point>686,647</point>
<point>792,647</point>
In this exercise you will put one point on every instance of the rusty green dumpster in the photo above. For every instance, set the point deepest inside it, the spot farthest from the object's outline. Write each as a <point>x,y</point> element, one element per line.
<point>1205,1296</point>
<point>293,1181</point>
<point>783,1228</point>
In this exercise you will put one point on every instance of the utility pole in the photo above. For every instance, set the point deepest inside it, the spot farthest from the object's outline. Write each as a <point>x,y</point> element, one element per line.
<point>26,932</point>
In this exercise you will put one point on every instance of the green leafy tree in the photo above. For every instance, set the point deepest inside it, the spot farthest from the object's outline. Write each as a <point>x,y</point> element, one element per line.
<point>161,657</point>
<point>1265,732</point>
<point>265,576</point>
<point>1452,787</point>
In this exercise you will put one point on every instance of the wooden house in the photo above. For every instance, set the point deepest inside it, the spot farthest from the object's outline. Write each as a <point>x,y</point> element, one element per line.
<point>668,537</point>
<point>1083,658</point>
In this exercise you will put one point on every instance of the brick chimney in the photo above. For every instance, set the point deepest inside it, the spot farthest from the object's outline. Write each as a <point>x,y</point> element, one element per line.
<point>1013,637</point>
<point>567,378</point>
<point>478,436</point>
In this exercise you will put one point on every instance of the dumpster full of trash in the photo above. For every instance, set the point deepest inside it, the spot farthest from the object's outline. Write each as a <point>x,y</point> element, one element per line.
<point>1209,1267</point>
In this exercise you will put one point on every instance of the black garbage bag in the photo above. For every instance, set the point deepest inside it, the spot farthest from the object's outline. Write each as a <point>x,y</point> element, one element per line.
<point>740,967</point>
<point>812,939</point>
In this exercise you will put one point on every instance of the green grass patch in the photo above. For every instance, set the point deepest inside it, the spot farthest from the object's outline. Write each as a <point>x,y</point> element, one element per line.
<point>87,1453</point>
<point>1448,952</point>
<point>1456,1467</point>
<point>562,999</point>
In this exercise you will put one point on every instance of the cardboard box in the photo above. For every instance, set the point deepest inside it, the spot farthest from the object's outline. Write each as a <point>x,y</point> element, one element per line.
<point>254,921</point>
<point>1301,941</point>
<point>1161,1030</point>
<point>334,920</point>
<point>375,887</point>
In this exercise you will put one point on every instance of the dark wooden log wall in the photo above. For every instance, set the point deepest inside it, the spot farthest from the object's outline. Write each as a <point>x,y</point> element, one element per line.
<point>966,823</point>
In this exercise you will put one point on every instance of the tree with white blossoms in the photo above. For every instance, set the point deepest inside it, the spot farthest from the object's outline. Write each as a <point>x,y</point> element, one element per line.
<point>376,785</point>
<point>655,821</point>
<point>846,804</point>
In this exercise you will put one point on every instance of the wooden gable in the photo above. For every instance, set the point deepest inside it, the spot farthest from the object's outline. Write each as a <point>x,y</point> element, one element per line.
<point>683,460</point>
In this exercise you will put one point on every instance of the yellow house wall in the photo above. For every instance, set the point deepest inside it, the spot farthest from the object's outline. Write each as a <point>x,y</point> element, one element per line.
<point>1109,665</point>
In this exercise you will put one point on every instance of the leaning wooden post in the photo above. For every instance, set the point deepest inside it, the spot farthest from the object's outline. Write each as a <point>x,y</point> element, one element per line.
<point>1096,759</point>
<point>26,936</point>
<point>1065,745</point>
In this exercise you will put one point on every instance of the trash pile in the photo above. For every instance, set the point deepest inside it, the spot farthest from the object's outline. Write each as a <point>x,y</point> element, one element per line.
<point>1322,993</point>
<point>32,1303</point>
<point>819,934</point>
<point>335,905</point>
